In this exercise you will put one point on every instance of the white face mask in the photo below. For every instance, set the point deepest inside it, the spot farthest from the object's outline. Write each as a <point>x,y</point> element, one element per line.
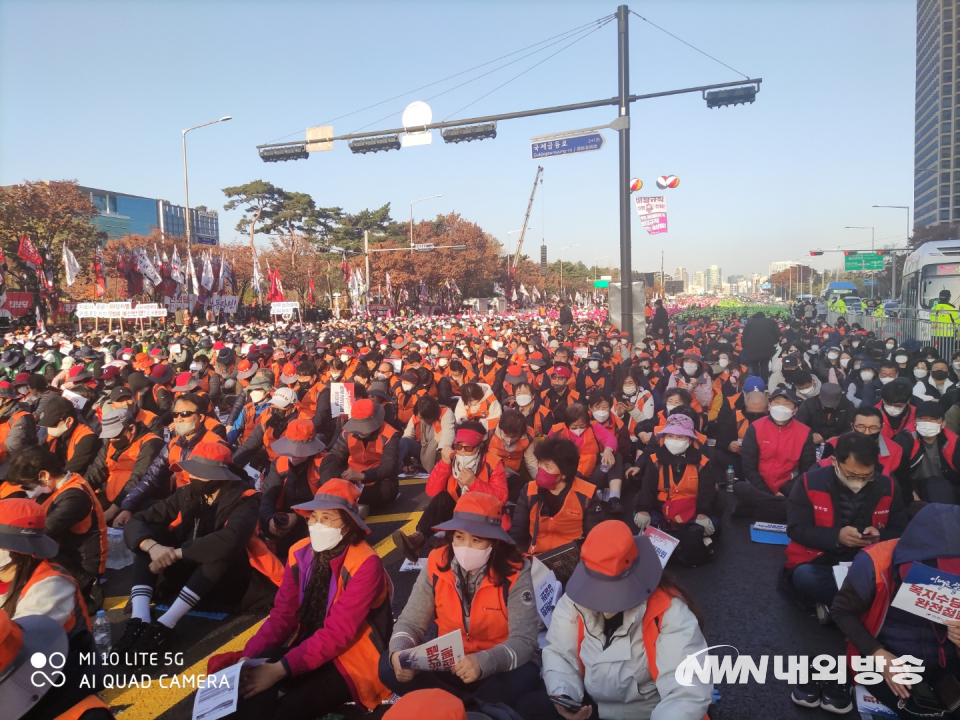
<point>885,380</point>
<point>345,358</point>
<point>723,362</point>
<point>814,348</point>
<point>407,387</point>
<point>781,413</point>
<point>647,371</point>
<point>806,392</point>
<point>257,396</point>
<point>471,559</point>
<point>524,400</point>
<point>465,462</point>
<point>593,365</point>
<point>901,359</point>
<point>629,390</point>
<point>928,429</point>
<point>671,406</point>
<point>956,366</point>
<point>5,558</point>
<point>59,430</point>
<point>488,361</point>
<point>37,491</point>
<point>442,362</point>
<point>184,428</point>
<point>690,368</point>
<point>195,367</point>
<point>866,375</point>
<point>677,447</point>
<point>833,355</point>
<point>323,538</point>
<point>601,416</point>
<point>891,346</point>
<point>919,373</point>
<point>844,362</point>
<point>578,431</point>
<point>854,486</point>
<point>893,410</point>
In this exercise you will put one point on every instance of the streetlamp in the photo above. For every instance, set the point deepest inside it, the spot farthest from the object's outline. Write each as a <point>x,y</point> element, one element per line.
<point>893,270</point>
<point>596,262</point>
<point>186,187</point>
<point>873,232</point>
<point>561,265</point>
<point>411,215</point>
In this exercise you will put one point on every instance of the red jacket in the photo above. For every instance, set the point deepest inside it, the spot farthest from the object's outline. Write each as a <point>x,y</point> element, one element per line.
<point>497,485</point>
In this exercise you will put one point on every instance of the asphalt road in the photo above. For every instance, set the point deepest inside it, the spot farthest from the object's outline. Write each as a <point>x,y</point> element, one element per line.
<point>736,595</point>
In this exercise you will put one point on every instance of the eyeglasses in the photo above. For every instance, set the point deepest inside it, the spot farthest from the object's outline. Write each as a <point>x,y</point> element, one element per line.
<point>858,478</point>
<point>867,429</point>
<point>184,413</point>
<point>325,522</point>
<point>464,446</point>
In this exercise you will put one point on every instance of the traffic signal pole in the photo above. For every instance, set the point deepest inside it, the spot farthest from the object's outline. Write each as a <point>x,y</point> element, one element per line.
<point>623,86</point>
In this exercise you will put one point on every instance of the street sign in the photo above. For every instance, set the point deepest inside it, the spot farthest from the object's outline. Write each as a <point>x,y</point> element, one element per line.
<point>318,138</point>
<point>863,262</point>
<point>606,277</point>
<point>566,146</point>
<point>601,283</point>
<point>765,286</point>
<point>423,247</point>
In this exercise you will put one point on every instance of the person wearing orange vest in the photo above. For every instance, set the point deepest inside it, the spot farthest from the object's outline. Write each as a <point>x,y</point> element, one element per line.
<point>617,638</point>
<point>281,409</point>
<point>123,398</point>
<point>30,582</point>
<point>874,628</point>
<point>426,434</point>
<point>368,453</point>
<point>464,467</point>
<point>258,395</point>
<point>23,693</point>
<point>512,444</point>
<point>199,533</point>
<point>478,402</point>
<point>294,477</point>
<point>334,601</point>
<point>559,395</point>
<point>74,517</point>
<point>122,461</point>
<point>553,510</point>
<point>18,428</point>
<point>408,393</point>
<point>314,399</point>
<point>75,444</point>
<point>731,425</point>
<point>155,392</point>
<point>189,430</point>
<point>478,584</point>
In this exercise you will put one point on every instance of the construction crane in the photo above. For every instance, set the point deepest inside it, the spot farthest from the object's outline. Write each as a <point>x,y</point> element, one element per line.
<point>526,219</point>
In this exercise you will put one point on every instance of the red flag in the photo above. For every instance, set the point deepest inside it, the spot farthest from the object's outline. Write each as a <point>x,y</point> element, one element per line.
<point>312,289</point>
<point>28,251</point>
<point>101,285</point>
<point>276,288</point>
<point>3,258</point>
<point>345,268</point>
<point>121,261</point>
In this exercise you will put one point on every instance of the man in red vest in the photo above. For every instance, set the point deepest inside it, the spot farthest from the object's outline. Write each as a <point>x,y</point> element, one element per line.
<point>775,451</point>
<point>834,510</point>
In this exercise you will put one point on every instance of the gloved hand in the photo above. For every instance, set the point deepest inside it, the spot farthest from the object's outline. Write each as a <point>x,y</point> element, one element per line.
<point>642,519</point>
<point>707,525</point>
<point>216,663</point>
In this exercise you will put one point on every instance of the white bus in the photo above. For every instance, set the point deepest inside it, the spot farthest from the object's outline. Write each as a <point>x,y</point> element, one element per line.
<point>932,267</point>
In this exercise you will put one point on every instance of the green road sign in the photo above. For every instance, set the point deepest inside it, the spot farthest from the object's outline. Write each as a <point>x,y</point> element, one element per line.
<point>601,283</point>
<point>866,261</point>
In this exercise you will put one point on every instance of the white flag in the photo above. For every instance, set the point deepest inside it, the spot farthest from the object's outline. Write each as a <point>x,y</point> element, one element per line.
<point>193,272</point>
<point>71,265</point>
<point>257,275</point>
<point>523,291</point>
<point>156,259</point>
<point>206,280</point>
<point>146,267</point>
<point>176,272</point>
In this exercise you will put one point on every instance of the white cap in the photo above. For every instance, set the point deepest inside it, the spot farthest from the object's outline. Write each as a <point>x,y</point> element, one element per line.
<point>284,397</point>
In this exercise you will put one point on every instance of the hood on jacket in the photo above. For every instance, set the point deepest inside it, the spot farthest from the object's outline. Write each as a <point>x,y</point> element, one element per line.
<point>934,532</point>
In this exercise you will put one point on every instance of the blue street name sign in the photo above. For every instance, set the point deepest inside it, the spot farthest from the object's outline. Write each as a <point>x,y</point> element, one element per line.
<point>566,146</point>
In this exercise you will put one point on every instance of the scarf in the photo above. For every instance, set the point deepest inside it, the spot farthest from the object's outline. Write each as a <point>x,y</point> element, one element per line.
<point>313,608</point>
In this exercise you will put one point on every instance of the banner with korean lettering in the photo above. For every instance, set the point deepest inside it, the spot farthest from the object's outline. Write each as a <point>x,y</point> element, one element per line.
<point>930,593</point>
<point>436,655</point>
<point>17,304</point>
<point>223,303</point>
<point>341,399</point>
<point>653,214</point>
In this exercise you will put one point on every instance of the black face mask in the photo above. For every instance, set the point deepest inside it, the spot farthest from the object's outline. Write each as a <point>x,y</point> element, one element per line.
<point>789,375</point>
<point>754,416</point>
<point>201,488</point>
<point>939,374</point>
<point>120,443</point>
<point>875,437</point>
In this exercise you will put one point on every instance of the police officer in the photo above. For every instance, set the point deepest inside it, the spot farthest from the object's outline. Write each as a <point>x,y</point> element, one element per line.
<point>944,319</point>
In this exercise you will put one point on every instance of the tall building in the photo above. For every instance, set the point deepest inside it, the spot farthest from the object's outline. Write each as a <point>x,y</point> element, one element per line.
<point>682,276</point>
<point>122,214</point>
<point>696,284</point>
<point>936,131</point>
<point>712,279</point>
<point>780,266</point>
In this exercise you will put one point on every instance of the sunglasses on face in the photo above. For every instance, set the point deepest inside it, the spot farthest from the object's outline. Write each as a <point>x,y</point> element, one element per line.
<point>185,413</point>
<point>464,446</point>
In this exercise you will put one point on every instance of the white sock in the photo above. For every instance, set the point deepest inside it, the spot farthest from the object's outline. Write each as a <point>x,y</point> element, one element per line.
<point>181,606</point>
<point>140,597</point>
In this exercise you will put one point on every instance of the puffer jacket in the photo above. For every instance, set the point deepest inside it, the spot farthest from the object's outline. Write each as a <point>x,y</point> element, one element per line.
<point>617,676</point>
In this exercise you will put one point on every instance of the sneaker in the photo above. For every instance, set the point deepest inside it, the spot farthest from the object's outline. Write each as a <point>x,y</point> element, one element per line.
<point>614,506</point>
<point>836,699</point>
<point>410,545</point>
<point>823,614</point>
<point>806,695</point>
<point>155,638</point>
<point>131,633</point>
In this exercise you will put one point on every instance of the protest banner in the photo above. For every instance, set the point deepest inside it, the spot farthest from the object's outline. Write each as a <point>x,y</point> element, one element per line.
<point>223,303</point>
<point>663,543</point>
<point>930,593</point>
<point>546,590</point>
<point>440,654</point>
<point>341,399</point>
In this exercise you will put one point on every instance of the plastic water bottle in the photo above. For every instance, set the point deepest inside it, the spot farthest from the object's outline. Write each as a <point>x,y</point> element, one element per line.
<point>118,554</point>
<point>731,478</point>
<point>101,634</point>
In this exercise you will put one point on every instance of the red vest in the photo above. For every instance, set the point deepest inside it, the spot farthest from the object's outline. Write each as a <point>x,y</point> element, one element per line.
<point>780,449</point>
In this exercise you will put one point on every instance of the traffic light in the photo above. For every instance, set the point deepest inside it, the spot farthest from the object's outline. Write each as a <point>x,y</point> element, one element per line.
<point>469,132</point>
<point>814,253</point>
<point>731,96</point>
<point>883,252</point>
<point>286,152</point>
<point>849,252</point>
<point>375,144</point>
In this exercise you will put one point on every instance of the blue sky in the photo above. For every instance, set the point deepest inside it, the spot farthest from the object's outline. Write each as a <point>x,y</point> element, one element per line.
<point>100,91</point>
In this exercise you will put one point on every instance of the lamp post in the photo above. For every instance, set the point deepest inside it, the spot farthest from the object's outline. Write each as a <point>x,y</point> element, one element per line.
<point>893,270</point>
<point>873,232</point>
<point>596,262</point>
<point>186,187</point>
<point>561,265</point>
<point>411,215</point>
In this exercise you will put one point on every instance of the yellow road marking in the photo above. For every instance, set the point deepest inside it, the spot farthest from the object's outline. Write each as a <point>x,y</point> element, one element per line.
<point>399,517</point>
<point>148,703</point>
<point>414,481</point>
<point>115,603</point>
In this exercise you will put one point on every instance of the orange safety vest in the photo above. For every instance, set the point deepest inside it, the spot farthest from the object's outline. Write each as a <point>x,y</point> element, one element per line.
<point>79,432</point>
<point>249,413</point>
<point>307,407</point>
<point>539,415</point>
<point>489,376</point>
<point>483,413</point>
<point>83,527</point>
<point>572,397</point>
<point>176,454</point>
<point>436,425</point>
<point>882,555</point>
<point>688,486</point>
<point>360,659</point>
<point>145,416</point>
<point>79,620</point>
<point>489,624</point>
<point>90,702</point>
<point>5,431</point>
<point>406,406</point>
<point>120,470</point>
<point>547,533</point>
<point>588,450</point>
<point>8,489</point>
<point>510,458</point>
<point>364,456</point>
<point>313,474</point>
<point>269,435</point>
